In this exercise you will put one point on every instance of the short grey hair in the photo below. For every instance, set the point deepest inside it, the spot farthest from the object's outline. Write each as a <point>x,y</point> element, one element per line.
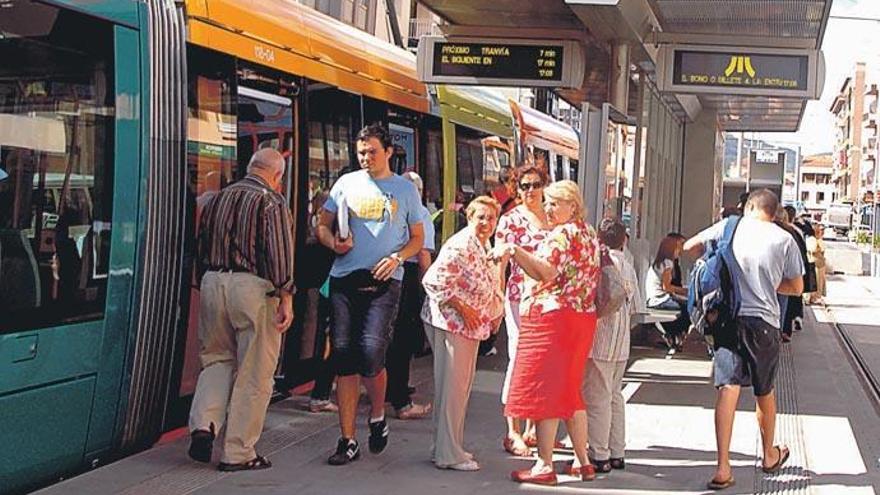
<point>266,159</point>
<point>415,179</point>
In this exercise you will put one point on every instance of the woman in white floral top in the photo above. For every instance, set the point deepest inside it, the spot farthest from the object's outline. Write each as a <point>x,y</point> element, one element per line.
<point>463,306</point>
<point>556,332</point>
<point>525,226</point>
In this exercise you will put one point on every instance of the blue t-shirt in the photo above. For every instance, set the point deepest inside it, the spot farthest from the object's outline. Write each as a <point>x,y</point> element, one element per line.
<point>429,233</point>
<point>379,215</point>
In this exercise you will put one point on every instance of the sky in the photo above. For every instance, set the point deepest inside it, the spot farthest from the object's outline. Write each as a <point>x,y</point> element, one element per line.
<point>846,42</point>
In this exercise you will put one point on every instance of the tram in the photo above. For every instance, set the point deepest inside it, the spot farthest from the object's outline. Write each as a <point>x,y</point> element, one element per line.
<point>118,118</point>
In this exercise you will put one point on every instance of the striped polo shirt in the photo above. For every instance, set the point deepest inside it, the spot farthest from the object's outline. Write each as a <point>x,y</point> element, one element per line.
<point>248,227</point>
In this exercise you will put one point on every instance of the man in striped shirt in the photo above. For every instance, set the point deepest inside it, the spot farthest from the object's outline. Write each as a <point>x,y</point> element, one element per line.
<point>608,358</point>
<point>246,262</point>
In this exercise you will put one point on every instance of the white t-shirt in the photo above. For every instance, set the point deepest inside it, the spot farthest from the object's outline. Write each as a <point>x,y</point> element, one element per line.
<point>767,255</point>
<point>654,292</point>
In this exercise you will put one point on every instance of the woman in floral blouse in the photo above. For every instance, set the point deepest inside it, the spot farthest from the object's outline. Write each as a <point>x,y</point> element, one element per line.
<point>463,306</point>
<point>556,333</point>
<point>525,226</point>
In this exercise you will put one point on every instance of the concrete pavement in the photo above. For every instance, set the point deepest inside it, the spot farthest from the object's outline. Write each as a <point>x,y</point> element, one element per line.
<point>825,417</point>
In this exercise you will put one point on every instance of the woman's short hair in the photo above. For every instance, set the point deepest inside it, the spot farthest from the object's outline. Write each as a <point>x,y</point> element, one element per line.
<point>486,201</point>
<point>527,169</point>
<point>612,233</point>
<point>567,190</point>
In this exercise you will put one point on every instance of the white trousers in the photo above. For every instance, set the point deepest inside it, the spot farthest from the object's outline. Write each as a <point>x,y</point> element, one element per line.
<point>511,323</point>
<point>455,361</point>
<point>606,420</point>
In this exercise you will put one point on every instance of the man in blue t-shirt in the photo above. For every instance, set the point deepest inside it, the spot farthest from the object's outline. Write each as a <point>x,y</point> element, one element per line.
<point>379,225</point>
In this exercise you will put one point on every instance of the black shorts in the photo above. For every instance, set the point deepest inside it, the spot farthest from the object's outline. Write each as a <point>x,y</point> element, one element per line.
<point>752,360</point>
<point>361,324</point>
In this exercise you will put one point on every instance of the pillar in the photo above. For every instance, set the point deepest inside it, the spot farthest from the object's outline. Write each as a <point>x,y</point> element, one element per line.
<point>698,183</point>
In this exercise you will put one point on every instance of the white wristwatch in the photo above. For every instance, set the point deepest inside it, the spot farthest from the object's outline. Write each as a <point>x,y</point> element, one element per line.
<point>396,257</point>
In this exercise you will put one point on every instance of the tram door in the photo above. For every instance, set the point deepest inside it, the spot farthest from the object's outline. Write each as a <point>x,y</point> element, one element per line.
<point>233,113</point>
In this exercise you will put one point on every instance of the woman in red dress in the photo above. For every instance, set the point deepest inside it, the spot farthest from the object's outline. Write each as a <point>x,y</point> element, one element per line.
<point>525,226</point>
<point>558,320</point>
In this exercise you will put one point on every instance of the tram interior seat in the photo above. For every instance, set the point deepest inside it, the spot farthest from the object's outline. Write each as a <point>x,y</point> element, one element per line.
<point>20,286</point>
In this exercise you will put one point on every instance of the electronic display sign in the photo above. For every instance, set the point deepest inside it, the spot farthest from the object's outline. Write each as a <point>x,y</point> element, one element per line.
<point>741,69</point>
<point>731,70</point>
<point>488,61</point>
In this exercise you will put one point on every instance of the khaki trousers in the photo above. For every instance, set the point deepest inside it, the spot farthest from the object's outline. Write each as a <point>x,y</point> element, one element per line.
<point>606,420</point>
<point>455,361</point>
<point>239,353</point>
<point>821,274</point>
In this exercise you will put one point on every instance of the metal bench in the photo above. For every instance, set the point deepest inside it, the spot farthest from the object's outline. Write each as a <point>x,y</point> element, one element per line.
<point>655,318</point>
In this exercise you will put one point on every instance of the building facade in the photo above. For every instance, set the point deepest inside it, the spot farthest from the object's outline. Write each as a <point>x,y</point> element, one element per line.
<point>817,191</point>
<point>855,123</point>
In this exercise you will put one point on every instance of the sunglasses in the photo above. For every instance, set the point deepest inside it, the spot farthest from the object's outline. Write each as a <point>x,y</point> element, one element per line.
<point>525,186</point>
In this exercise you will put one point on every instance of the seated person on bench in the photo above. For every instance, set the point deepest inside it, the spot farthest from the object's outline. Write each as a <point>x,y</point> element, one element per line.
<point>662,293</point>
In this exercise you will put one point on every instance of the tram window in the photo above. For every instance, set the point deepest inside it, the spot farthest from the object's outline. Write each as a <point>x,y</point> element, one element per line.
<point>211,129</point>
<point>334,117</point>
<point>265,120</point>
<point>559,167</point>
<point>573,169</point>
<point>469,152</point>
<point>434,170</point>
<point>56,166</point>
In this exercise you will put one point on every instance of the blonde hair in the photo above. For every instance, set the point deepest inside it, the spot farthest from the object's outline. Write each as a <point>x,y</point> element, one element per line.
<point>486,201</point>
<point>567,190</point>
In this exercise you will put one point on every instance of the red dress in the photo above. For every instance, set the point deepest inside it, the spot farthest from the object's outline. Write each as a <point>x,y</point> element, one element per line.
<point>558,323</point>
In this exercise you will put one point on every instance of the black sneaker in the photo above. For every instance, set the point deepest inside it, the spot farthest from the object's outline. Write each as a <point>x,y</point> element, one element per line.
<point>201,445</point>
<point>346,451</point>
<point>378,436</point>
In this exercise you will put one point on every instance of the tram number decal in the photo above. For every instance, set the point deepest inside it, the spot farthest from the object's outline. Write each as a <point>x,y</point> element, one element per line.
<point>503,61</point>
<point>264,54</point>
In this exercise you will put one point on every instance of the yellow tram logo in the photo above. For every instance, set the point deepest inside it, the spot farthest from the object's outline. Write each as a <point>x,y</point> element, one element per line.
<point>740,64</point>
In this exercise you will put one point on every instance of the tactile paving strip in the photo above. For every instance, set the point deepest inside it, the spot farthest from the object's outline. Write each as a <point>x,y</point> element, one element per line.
<point>190,477</point>
<point>794,478</point>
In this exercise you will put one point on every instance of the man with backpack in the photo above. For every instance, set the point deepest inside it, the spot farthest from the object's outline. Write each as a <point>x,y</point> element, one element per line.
<point>765,261</point>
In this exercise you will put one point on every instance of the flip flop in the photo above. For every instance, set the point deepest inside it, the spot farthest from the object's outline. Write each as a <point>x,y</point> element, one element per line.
<point>258,462</point>
<point>783,456</point>
<point>720,485</point>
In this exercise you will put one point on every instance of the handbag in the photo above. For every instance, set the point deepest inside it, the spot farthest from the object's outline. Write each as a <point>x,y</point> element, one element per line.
<point>610,293</point>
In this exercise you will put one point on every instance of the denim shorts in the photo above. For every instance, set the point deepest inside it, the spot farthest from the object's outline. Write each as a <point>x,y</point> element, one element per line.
<point>751,360</point>
<point>361,325</point>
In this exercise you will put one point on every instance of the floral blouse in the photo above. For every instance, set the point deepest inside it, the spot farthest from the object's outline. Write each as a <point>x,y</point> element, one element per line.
<point>573,249</point>
<point>514,227</point>
<point>463,270</point>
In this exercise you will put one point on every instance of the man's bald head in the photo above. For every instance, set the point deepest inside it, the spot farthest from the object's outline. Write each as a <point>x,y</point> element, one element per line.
<point>268,160</point>
<point>269,164</point>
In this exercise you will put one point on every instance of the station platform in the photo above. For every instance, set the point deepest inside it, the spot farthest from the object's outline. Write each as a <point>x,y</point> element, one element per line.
<point>827,418</point>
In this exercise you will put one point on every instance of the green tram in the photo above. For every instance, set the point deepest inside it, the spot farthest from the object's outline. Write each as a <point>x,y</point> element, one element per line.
<point>116,118</point>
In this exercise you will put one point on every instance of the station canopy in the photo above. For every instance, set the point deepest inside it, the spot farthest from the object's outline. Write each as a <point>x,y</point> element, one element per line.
<point>648,24</point>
